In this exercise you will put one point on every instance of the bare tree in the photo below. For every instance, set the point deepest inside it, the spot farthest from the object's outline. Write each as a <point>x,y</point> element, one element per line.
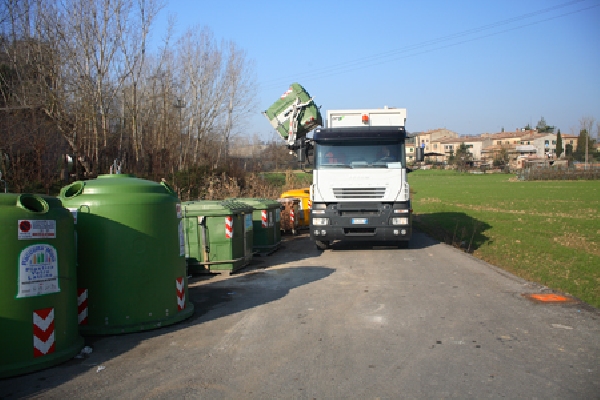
<point>586,125</point>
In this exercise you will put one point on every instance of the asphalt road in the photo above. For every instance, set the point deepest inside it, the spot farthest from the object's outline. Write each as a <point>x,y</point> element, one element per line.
<point>351,322</point>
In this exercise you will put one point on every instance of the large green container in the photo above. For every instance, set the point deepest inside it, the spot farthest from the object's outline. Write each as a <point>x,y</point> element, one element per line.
<point>266,219</point>
<point>130,251</point>
<point>279,113</point>
<point>218,235</point>
<point>38,294</point>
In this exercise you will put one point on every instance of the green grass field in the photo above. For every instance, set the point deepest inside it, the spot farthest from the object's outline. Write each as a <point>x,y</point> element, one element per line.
<point>547,232</point>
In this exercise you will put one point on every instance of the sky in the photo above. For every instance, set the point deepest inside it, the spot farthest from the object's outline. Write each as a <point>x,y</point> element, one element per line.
<point>468,66</point>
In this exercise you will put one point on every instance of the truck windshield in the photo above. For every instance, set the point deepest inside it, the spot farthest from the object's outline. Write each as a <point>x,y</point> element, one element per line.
<point>370,154</point>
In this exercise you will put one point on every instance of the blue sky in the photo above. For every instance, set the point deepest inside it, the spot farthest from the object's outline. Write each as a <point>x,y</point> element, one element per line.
<point>468,66</point>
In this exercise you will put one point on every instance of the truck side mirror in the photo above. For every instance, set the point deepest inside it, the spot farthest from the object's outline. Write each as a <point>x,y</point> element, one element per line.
<point>301,150</point>
<point>419,153</point>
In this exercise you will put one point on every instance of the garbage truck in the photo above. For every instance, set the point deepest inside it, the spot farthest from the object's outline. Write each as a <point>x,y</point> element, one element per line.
<point>360,190</point>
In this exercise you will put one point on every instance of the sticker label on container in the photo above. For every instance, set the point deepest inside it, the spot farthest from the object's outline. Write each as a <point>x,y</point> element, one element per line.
<point>74,214</point>
<point>178,209</point>
<point>38,271</point>
<point>36,229</point>
<point>248,222</point>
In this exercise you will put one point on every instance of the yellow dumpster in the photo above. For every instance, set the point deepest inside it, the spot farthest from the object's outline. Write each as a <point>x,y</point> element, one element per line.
<point>303,206</point>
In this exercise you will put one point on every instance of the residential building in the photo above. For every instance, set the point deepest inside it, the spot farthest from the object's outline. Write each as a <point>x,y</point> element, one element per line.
<point>424,139</point>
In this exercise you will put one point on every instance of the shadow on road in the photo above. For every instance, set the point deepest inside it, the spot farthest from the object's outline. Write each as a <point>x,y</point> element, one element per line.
<point>454,228</point>
<point>218,299</point>
<point>213,298</point>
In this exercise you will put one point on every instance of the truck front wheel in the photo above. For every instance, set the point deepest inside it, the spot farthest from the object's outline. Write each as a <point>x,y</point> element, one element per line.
<point>322,245</point>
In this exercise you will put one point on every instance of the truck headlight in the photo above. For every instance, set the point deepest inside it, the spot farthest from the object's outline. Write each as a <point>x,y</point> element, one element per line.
<point>320,221</point>
<point>400,211</point>
<point>400,221</point>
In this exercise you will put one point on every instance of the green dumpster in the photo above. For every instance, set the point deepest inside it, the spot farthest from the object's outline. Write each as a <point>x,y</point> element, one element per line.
<point>266,219</point>
<point>38,294</point>
<point>218,235</point>
<point>130,250</point>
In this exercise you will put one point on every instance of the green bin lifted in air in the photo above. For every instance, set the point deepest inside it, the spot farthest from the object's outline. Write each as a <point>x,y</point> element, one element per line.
<point>266,219</point>
<point>218,235</point>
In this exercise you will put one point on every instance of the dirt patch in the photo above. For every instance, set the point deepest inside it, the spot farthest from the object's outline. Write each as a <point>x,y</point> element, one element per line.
<point>591,214</point>
<point>579,243</point>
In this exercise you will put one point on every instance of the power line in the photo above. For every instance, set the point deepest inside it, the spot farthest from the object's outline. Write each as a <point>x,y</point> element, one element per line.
<point>424,47</point>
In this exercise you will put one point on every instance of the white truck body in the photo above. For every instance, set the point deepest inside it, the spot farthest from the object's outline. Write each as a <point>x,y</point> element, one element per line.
<point>375,117</point>
<point>358,193</point>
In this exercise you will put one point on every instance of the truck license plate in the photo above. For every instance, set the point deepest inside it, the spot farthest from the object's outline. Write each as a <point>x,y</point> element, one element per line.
<point>360,221</point>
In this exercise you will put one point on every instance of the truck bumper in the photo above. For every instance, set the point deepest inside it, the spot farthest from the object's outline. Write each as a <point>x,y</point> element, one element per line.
<point>381,233</point>
<point>362,223</point>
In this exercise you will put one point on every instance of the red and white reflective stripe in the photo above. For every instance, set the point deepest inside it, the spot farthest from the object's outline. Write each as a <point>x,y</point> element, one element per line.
<point>43,332</point>
<point>309,203</point>
<point>290,90</point>
<point>228,227</point>
<point>292,215</point>
<point>82,306</point>
<point>263,216</point>
<point>180,293</point>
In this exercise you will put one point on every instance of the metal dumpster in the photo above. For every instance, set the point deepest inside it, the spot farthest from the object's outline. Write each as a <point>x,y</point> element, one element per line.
<point>131,270</point>
<point>38,291</point>
<point>266,220</point>
<point>218,235</point>
<point>304,206</point>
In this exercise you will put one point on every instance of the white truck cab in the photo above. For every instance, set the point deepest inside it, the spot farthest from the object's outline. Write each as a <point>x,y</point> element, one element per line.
<point>360,191</point>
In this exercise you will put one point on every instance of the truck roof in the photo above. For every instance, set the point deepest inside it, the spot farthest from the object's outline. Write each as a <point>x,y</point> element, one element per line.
<point>379,133</point>
<point>366,117</point>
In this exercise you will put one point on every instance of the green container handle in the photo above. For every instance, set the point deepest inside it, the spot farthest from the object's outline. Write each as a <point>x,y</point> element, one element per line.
<point>33,203</point>
<point>168,188</point>
<point>72,190</point>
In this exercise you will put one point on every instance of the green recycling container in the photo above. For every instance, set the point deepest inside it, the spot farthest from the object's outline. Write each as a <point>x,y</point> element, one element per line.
<point>218,235</point>
<point>266,220</point>
<point>309,116</point>
<point>38,291</point>
<point>131,270</point>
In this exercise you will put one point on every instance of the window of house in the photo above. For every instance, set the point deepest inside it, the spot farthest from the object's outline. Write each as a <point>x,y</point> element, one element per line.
<point>435,146</point>
<point>546,142</point>
<point>554,142</point>
<point>499,142</point>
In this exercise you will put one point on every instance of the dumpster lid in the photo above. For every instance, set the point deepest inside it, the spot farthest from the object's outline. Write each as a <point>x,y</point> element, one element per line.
<point>296,193</point>
<point>258,202</point>
<point>214,207</point>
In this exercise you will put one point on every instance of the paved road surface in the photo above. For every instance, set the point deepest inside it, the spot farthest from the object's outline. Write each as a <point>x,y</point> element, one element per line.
<point>350,322</point>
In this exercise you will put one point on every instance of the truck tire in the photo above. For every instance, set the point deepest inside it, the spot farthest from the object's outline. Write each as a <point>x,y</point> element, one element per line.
<point>322,245</point>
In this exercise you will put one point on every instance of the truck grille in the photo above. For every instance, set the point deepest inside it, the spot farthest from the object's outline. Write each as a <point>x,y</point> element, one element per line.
<point>359,193</point>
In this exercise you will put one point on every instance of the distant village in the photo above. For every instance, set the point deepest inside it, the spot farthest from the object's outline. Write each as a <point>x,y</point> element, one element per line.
<point>518,149</point>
